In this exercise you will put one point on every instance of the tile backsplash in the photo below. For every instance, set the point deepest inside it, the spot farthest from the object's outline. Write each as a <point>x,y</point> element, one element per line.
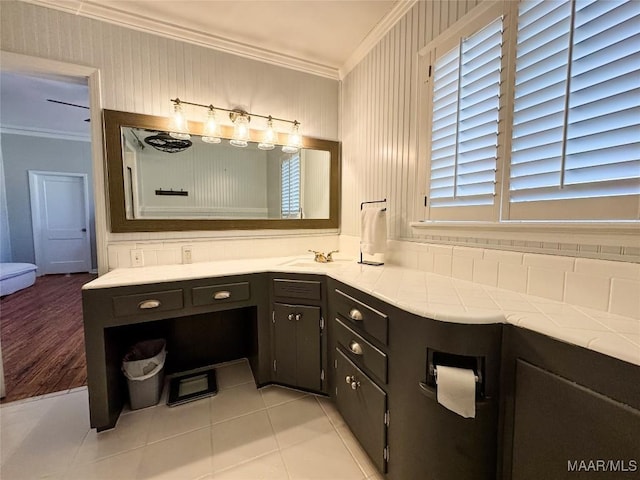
<point>609,286</point>
<point>170,252</point>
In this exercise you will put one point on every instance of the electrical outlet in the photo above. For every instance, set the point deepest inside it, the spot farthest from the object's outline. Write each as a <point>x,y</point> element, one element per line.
<point>137,258</point>
<point>186,254</point>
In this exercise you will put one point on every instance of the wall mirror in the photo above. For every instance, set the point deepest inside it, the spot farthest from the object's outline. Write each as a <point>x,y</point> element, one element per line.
<point>160,183</point>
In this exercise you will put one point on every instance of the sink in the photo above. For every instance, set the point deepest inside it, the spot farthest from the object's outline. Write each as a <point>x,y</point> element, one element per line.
<point>314,264</point>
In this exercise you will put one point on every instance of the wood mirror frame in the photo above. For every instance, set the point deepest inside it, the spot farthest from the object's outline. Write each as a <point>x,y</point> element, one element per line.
<point>113,121</point>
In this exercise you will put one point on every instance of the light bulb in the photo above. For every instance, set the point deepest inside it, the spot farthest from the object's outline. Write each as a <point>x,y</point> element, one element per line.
<point>270,137</point>
<point>240,130</point>
<point>211,133</point>
<point>295,140</point>
<point>178,127</point>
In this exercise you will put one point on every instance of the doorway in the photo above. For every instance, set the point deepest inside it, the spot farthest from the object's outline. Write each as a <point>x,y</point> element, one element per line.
<point>53,146</point>
<point>60,218</point>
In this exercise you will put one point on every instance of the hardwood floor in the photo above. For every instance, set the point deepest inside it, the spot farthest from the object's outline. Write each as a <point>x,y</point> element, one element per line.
<point>42,337</point>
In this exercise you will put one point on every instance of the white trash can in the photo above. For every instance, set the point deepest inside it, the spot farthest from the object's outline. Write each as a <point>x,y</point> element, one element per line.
<point>143,365</point>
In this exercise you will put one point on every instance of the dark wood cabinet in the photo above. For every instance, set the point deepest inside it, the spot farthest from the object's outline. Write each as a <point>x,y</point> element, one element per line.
<point>298,340</point>
<point>544,408</point>
<point>204,321</point>
<point>297,344</point>
<point>358,337</point>
<point>567,412</point>
<point>363,405</point>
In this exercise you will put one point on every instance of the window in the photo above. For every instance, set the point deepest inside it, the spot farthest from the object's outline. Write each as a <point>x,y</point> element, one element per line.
<point>539,120</point>
<point>465,81</point>
<point>576,124</point>
<point>290,193</point>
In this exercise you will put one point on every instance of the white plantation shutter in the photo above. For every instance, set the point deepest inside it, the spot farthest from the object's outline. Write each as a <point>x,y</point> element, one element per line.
<point>464,122</point>
<point>290,180</point>
<point>576,125</point>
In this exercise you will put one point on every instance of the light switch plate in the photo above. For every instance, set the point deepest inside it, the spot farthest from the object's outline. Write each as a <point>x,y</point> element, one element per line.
<point>137,258</point>
<point>187,251</point>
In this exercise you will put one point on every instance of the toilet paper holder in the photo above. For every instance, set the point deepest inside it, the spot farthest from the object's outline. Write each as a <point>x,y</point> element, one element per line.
<point>446,359</point>
<point>433,371</point>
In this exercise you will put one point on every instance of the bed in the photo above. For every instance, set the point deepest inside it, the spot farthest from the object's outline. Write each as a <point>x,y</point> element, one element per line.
<point>16,276</point>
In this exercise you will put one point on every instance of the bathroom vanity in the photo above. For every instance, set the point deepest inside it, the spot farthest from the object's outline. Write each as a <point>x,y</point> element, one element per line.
<point>538,400</point>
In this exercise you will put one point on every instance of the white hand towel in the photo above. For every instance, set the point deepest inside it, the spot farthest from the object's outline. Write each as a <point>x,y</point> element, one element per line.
<point>373,230</point>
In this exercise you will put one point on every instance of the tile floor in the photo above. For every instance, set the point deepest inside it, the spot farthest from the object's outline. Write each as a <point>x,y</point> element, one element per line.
<point>241,433</point>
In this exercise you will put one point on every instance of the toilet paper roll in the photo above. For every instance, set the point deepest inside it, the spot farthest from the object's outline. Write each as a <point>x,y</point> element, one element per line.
<point>457,390</point>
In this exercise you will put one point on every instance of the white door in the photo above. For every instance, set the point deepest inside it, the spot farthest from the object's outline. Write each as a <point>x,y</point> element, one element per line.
<point>60,217</point>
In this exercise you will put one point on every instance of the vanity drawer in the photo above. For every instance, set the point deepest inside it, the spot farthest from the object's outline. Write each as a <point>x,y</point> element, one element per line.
<point>360,351</point>
<point>147,302</point>
<point>224,293</point>
<point>307,289</point>
<point>362,316</point>
<point>363,406</point>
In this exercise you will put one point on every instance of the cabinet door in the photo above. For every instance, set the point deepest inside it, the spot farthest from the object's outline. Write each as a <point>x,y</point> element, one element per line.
<point>363,406</point>
<point>297,344</point>
<point>565,430</point>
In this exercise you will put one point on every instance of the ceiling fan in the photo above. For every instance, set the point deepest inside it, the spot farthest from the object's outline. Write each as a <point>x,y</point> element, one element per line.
<point>70,105</point>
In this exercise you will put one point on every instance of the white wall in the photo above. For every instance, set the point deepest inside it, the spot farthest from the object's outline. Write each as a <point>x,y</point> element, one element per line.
<point>140,72</point>
<point>380,97</point>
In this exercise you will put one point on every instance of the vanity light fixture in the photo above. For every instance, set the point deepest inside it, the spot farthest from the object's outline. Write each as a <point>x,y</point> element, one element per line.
<point>240,121</point>
<point>295,141</point>
<point>241,132</point>
<point>270,137</point>
<point>178,127</point>
<point>211,132</point>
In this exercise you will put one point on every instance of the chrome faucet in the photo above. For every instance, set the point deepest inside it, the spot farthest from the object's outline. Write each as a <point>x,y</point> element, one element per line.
<point>322,258</point>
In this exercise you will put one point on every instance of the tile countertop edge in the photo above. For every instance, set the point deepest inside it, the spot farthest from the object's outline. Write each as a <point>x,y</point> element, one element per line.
<point>371,280</point>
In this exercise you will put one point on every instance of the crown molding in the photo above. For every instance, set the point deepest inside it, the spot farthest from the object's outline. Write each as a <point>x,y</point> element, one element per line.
<point>376,34</point>
<point>94,10</point>
<point>45,133</point>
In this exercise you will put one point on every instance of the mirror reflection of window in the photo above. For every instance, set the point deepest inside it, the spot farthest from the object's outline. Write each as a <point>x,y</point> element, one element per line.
<point>290,191</point>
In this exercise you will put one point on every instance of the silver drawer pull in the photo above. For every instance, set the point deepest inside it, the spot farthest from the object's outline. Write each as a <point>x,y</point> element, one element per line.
<point>222,294</point>
<point>291,317</point>
<point>149,304</point>
<point>355,385</point>
<point>354,314</point>
<point>349,378</point>
<point>355,347</point>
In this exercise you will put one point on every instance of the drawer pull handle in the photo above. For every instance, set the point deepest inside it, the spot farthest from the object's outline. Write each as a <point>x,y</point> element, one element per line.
<point>291,317</point>
<point>355,385</point>
<point>355,347</point>
<point>349,379</point>
<point>149,304</point>
<point>298,316</point>
<point>222,295</point>
<point>355,314</point>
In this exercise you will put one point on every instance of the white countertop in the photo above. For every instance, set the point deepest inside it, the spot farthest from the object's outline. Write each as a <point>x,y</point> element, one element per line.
<point>425,294</point>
